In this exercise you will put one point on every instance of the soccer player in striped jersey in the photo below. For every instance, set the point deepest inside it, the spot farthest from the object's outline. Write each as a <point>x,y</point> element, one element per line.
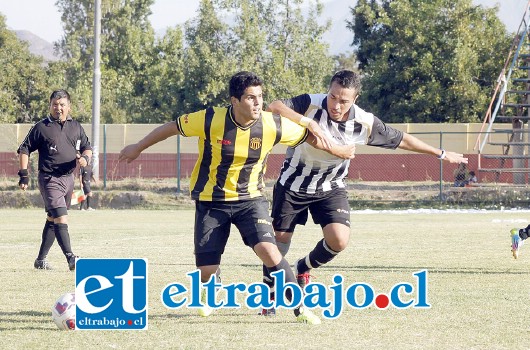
<point>312,180</point>
<point>226,182</point>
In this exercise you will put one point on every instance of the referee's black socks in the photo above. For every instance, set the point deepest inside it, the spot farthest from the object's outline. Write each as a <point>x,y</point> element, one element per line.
<point>48,237</point>
<point>63,238</point>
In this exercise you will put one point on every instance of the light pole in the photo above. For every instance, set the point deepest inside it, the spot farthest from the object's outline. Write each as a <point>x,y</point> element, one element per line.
<point>96,89</point>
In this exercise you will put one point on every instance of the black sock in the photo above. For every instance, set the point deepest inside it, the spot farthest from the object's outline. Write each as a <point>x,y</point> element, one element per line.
<point>267,279</point>
<point>289,278</point>
<point>63,238</point>
<point>48,237</point>
<point>81,205</point>
<point>87,202</point>
<point>319,256</point>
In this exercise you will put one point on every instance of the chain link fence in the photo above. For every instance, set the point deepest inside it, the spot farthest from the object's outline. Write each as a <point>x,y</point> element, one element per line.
<point>376,177</point>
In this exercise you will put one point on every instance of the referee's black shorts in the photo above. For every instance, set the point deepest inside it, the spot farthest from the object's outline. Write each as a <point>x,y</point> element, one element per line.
<point>291,208</point>
<point>56,191</point>
<point>214,219</point>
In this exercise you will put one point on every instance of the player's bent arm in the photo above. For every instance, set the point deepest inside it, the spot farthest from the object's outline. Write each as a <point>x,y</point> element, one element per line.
<point>131,152</point>
<point>278,107</point>
<point>23,160</point>
<point>339,151</point>
<point>412,143</point>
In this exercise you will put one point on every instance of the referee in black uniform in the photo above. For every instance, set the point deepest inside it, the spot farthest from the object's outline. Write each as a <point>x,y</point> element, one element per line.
<point>62,145</point>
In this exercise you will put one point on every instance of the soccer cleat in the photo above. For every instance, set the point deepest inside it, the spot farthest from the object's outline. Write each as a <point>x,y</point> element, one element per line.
<point>71,261</point>
<point>306,316</point>
<point>205,310</point>
<point>42,264</point>
<point>517,242</point>
<point>303,279</point>
<point>268,312</point>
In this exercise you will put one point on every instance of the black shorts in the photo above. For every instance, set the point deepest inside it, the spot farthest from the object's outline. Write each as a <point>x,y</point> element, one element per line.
<point>290,208</point>
<point>56,191</point>
<point>214,219</point>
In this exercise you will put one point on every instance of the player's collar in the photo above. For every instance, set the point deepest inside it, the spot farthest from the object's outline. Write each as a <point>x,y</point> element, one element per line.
<point>233,118</point>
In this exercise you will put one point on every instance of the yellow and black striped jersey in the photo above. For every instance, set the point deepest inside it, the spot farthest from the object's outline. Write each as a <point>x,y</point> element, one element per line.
<point>232,158</point>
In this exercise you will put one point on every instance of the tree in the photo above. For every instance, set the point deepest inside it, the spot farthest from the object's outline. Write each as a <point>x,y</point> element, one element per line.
<point>23,82</point>
<point>427,61</point>
<point>210,60</point>
<point>127,49</point>
<point>281,44</point>
<point>165,93</point>
<point>300,60</point>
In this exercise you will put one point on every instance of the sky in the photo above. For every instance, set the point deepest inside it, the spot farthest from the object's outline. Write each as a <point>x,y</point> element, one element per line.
<point>41,17</point>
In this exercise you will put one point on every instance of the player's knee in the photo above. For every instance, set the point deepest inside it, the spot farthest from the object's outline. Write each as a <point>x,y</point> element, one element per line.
<point>61,219</point>
<point>338,245</point>
<point>268,253</point>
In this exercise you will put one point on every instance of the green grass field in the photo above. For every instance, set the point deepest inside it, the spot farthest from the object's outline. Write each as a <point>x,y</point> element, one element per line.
<point>479,294</point>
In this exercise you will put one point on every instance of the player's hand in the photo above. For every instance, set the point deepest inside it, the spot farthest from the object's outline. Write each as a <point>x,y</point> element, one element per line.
<point>343,151</point>
<point>129,153</point>
<point>453,157</point>
<point>23,179</point>
<point>81,160</point>
<point>316,130</point>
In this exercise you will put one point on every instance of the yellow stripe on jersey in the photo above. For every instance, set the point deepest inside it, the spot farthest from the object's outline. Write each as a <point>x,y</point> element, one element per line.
<point>231,158</point>
<point>291,133</point>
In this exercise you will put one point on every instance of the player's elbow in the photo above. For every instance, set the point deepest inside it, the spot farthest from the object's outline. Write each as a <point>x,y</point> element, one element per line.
<point>274,106</point>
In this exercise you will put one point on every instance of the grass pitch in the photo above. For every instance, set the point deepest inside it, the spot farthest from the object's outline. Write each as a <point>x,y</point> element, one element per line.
<point>478,292</point>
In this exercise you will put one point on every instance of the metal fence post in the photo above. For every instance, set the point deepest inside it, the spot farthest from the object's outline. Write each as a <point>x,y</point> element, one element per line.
<point>104,156</point>
<point>178,164</point>
<point>441,169</point>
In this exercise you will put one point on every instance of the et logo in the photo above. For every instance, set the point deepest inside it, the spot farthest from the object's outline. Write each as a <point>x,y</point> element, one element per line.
<point>111,294</point>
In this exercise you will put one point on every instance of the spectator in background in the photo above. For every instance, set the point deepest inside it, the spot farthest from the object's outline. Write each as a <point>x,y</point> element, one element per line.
<point>85,176</point>
<point>472,178</point>
<point>461,175</point>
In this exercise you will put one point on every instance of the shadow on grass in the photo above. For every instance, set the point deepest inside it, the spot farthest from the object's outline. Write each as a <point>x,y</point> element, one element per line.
<point>431,269</point>
<point>27,320</point>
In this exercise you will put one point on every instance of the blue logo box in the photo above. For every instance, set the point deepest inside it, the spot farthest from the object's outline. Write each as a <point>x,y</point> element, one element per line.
<point>111,294</point>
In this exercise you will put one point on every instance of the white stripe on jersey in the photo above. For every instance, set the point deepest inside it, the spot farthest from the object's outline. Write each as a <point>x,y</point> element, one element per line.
<point>309,170</point>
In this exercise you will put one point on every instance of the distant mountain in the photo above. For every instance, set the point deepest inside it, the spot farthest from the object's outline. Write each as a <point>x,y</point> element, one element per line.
<point>37,45</point>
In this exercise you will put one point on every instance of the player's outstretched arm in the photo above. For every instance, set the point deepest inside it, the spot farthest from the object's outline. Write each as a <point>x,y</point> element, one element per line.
<point>278,107</point>
<point>131,152</point>
<point>340,151</point>
<point>411,143</point>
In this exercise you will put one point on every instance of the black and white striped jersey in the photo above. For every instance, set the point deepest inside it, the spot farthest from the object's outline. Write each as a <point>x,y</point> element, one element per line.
<point>309,170</point>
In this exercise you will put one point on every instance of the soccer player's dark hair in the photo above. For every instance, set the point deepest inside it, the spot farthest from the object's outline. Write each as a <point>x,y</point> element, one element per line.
<point>242,80</point>
<point>347,79</point>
